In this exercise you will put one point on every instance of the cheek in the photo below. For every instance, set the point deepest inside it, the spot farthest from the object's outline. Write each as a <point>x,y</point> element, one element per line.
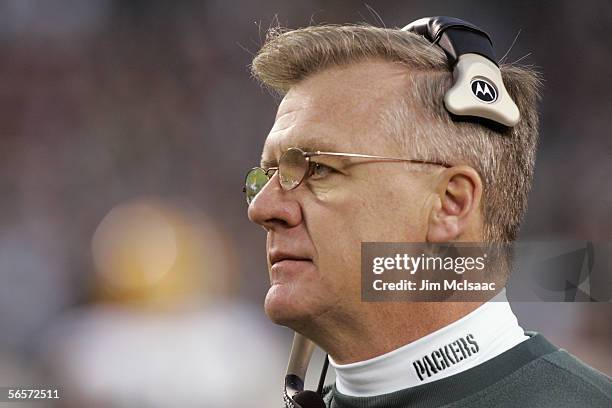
<point>337,240</point>
<point>337,225</point>
<point>400,210</point>
<point>377,213</point>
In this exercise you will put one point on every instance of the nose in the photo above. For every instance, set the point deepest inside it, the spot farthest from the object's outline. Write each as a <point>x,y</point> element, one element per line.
<point>274,207</point>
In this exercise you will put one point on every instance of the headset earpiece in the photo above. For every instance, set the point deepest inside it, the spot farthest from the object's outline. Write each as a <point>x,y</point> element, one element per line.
<point>478,88</point>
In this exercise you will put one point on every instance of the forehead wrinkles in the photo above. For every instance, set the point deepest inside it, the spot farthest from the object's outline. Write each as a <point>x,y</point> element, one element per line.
<point>300,121</point>
<point>308,137</point>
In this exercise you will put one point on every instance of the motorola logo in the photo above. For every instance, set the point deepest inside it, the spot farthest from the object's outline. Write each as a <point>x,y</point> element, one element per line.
<point>483,90</point>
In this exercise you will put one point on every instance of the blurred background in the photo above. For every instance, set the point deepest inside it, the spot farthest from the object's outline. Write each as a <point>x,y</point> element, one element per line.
<point>130,274</point>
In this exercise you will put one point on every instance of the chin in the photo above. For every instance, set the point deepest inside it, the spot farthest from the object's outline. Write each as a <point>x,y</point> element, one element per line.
<point>285,308</point>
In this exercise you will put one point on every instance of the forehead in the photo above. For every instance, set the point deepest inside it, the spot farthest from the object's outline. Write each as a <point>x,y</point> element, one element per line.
<point>337,109</point>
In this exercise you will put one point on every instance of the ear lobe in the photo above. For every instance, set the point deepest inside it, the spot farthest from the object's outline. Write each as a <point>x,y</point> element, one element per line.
<point>456,214</point>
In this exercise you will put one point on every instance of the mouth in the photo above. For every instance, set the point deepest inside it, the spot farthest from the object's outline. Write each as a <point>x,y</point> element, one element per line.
<point>281,257</point>
<point>287,266</point>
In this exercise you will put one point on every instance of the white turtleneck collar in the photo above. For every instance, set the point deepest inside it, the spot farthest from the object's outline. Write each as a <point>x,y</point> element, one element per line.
<point>477,337</point>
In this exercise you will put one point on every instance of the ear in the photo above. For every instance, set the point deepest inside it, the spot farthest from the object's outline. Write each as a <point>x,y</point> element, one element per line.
<point>455,212</point>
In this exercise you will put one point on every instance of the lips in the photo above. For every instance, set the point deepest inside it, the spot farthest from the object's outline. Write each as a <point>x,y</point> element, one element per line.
<point>278,256</point>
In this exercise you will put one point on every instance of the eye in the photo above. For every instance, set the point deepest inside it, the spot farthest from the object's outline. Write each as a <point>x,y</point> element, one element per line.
<point>320,171</point>
<point>270,171</point>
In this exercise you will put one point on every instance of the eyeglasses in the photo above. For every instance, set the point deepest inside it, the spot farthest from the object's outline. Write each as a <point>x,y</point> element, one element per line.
<point>295,166</point>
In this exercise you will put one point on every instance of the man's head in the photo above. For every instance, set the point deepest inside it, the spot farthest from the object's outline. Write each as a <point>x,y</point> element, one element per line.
<point>361,89</point>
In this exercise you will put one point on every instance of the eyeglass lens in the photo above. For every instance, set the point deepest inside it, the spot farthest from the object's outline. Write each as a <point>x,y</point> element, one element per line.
<point>256,179</point>
<point>293,166</point>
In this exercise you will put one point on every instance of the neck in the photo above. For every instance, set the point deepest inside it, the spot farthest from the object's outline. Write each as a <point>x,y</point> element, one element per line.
<point>479,336</point>
<point>381,327</point>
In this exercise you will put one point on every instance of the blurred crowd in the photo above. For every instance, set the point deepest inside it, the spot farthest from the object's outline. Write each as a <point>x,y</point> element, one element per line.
<point>130,274</point>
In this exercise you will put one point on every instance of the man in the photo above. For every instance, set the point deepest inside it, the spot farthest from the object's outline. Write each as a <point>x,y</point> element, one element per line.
<point>362,90</point>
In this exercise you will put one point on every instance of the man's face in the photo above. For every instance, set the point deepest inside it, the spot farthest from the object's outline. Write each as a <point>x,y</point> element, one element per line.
<point>314,232</point>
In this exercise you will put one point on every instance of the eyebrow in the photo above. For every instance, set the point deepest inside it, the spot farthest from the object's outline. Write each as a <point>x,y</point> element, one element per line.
<point>266,164</point>
<point>340,160</point>
<point>307,146</point>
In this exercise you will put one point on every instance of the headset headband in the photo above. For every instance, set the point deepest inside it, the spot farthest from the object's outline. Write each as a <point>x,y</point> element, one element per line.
<point>478,88</point>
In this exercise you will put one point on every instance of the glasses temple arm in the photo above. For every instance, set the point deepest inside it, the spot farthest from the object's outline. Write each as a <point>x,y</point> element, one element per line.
<point>368,156</point>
